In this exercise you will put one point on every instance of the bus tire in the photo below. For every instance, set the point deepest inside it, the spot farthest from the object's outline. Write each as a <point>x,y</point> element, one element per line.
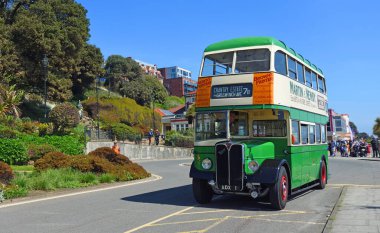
<point>202,191</point>
<point>279,192</point>
<point>322,175</point>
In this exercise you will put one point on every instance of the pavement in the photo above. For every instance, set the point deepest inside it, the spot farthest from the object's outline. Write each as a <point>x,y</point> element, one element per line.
<point>358,210</point>
<point>358,207</point>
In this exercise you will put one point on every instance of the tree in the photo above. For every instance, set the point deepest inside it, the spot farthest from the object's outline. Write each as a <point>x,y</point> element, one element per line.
<point>121,70</point>
<point>90,67</point>
<point>353,128</point>
<point>146,90</point>
<point>376,127</point>
<point>362,135</point>
<point>64,116</point>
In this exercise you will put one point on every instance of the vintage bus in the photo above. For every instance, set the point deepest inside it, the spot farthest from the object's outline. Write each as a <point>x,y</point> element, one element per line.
<point>260,123</point>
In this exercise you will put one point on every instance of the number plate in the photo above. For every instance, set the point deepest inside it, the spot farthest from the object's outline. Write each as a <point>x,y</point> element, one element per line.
<point>230,188</point>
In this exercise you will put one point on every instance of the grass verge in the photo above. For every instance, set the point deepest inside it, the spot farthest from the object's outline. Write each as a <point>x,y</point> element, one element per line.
<point>53,179</point>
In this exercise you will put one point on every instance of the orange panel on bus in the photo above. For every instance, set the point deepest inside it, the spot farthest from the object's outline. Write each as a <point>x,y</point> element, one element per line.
<point>263,88</point>
<point>203,92</point>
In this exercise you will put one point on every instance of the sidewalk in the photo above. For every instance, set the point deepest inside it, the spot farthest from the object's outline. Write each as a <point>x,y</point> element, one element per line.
<point>358,210</point>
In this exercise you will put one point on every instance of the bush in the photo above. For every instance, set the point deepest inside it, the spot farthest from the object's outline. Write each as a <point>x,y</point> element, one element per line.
<point>6,173</point>
<point>122,110</point>
<point>66,144</point>
<point>13,151</point>
<point>14,191</point>
<point>64,116</point>
<point>8,133</point>
<point>174,138</point>
<point>53,160</point>
<point>37,151</point>
<point>44,129</point>
<point>124,132</point>
<point>108,154</point>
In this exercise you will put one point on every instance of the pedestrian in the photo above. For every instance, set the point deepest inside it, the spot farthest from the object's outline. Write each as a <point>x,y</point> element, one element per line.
<point>150,135</point>
<point>375,147</point>
<point>332,148</point>
<point>157,137</point>
<point>116,148</point>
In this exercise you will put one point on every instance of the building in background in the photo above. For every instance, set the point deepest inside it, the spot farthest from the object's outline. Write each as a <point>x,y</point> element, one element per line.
<point>178,81</point>
<point>338,127</point>
<point>150,69</point>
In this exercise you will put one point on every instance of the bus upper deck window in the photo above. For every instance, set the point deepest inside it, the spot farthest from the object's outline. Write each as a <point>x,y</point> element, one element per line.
<point>217,64</point>
<point>300,74</point>
<point>280,62</point>
<point>314,80</point>
<point>292,68</point>
<point>308,77</point>
<point>321,85</point>
<point>252,60</point>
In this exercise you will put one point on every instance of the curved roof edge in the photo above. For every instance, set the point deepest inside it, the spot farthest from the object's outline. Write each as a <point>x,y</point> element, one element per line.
<point>258,41</point>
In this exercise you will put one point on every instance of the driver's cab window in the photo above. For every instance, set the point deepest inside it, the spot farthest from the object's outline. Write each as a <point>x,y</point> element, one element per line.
<point>238,123</point>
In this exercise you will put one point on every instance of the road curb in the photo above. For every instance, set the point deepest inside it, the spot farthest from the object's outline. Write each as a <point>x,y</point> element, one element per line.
<point>328,226</point>
<point>75,192</point>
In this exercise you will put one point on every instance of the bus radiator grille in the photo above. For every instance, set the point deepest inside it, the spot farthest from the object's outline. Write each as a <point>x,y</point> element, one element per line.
<point>229,167</point>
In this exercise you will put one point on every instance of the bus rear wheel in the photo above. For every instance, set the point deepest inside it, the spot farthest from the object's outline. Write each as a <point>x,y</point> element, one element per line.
<point>202,191</point>
<point>278,193</point>
<point>322,175</point>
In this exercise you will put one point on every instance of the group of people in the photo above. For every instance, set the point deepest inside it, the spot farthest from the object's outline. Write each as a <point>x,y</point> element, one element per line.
<point>156,134</point>
<point>354,147</point>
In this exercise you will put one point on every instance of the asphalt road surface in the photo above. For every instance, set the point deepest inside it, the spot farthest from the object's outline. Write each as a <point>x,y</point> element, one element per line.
<point>165,204</point>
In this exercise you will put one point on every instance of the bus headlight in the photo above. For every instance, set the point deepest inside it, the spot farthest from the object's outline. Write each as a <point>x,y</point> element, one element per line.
<point>206,164</point>
<point>253,165</point>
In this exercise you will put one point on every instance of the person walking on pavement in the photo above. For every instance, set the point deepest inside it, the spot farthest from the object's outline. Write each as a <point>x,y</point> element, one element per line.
<point>150,136</point>
<point>157,137</point>
<point>375,147</point>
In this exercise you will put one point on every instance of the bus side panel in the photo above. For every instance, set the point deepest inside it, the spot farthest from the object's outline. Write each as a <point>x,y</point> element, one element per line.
<point>316,153</point>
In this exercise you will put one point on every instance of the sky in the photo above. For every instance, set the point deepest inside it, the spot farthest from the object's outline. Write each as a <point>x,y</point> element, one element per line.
<point>341,37</point>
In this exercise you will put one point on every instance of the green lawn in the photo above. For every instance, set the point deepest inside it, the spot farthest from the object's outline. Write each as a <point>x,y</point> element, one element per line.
<point>23,168</point>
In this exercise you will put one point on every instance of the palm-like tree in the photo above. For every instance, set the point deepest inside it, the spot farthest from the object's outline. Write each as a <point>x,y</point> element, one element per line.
<point>376,127</point>
<point>10,99</point>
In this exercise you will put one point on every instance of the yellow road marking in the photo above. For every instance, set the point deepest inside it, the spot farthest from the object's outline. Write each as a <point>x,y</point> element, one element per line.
<point>205,212</point>
<point>286,221</point>
<point>158,220</point>
<point>221,220</point>
<point>184,222</point>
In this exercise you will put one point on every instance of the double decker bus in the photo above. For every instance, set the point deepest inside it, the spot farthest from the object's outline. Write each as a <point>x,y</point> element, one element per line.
<point>260,123</point>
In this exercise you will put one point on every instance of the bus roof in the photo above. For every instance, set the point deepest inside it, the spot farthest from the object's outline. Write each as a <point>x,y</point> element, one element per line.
<point>258,41</point>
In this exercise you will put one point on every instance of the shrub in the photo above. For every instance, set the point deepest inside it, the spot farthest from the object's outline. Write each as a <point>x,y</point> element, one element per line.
<point>124,132</point>
<point>44,129</point>
<point>66,144</point>
<point>64,116</point>
<point>8,133</point>
<point>108,154</point>
<point>174,138</point>
<point>52,160</point>
<point>37,151</point>
<point>13,151</point>
<point>82,163</point>
<point>6,173</point>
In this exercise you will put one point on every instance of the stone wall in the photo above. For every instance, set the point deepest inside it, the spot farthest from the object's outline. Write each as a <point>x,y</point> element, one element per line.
<point>141,152</point>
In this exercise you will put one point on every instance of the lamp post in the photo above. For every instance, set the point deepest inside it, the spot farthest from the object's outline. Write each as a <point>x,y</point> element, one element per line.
<point>97,107</point>
<point>45,63</point>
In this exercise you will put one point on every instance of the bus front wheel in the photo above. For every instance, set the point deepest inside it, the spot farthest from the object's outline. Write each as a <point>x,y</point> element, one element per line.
<point>278,193</point>
<point>202,191</point>
<point>322,175</point>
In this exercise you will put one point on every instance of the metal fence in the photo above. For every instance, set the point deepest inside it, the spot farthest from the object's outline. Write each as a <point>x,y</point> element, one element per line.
<point>96,134</point>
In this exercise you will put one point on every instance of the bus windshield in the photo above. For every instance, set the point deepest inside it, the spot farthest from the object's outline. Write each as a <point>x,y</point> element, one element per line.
<point>211,126</point>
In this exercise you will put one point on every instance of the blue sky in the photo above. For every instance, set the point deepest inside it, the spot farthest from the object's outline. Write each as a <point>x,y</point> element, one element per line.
<point>341,37</point>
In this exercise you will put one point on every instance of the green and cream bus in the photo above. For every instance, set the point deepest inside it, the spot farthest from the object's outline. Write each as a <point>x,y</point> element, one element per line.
<point>260,124</point>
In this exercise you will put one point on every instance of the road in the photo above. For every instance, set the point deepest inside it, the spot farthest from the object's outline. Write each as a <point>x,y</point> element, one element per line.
<point>167,205</point>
